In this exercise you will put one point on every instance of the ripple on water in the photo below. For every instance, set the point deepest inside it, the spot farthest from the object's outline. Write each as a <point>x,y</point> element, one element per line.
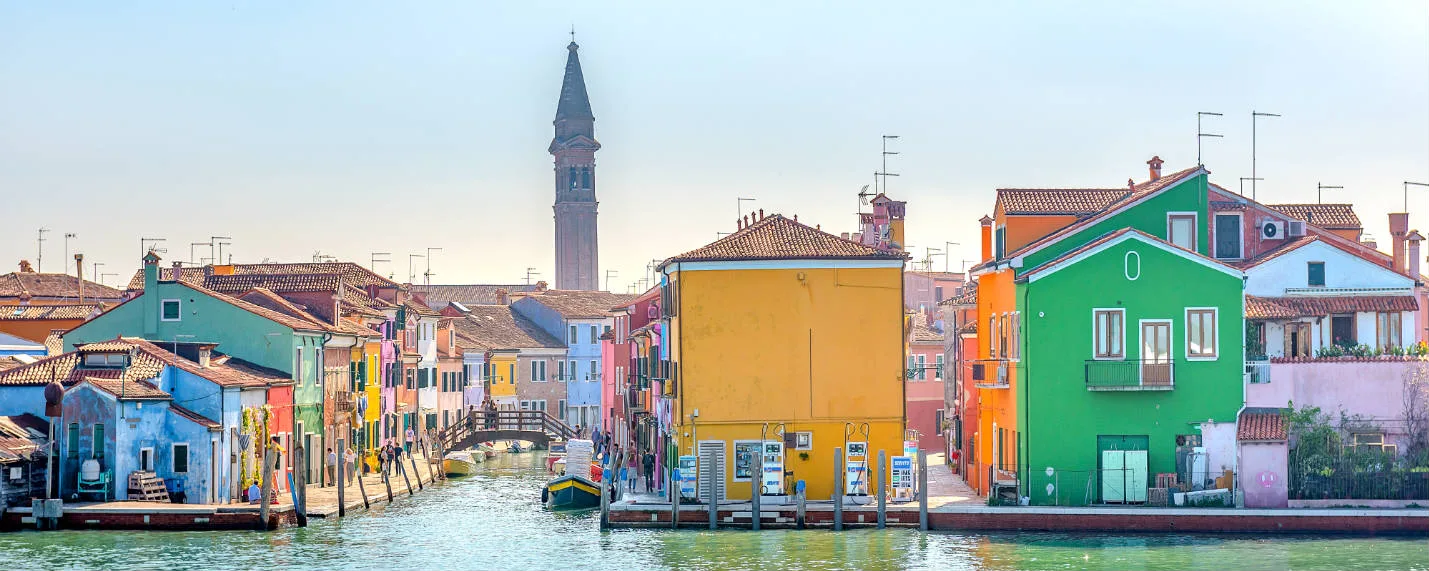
<point>494,519</point>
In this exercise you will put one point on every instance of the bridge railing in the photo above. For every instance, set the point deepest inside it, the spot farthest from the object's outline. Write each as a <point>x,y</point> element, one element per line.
<point>484,421</point>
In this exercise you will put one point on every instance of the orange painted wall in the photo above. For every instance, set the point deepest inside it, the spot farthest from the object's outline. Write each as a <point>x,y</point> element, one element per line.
<point>996,407</point>
<point>37,329</point>
<point>1023,230</point>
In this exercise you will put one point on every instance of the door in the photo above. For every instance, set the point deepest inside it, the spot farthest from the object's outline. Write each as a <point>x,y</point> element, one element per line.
<point>1114,476</point>
<point>1122,464</point>
<point>1297,339</point>
<point>1343,329</point>
<point>1155,353</point>
<point>711,470</point>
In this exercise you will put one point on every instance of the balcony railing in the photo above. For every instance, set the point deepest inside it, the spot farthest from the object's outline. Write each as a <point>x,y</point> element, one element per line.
<point>989,373</point>
<point>343,402</point>
<point>1130,375</point>
<point>1257,372</point>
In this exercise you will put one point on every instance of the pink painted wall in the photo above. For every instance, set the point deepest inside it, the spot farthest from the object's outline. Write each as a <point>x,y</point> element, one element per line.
<point>1372,388</point>
<point>1263,474</point>
<point>925,397</point>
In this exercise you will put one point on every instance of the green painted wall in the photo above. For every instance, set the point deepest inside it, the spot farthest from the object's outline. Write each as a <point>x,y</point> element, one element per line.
<point>1190,195</point>
<point>1059,418</point>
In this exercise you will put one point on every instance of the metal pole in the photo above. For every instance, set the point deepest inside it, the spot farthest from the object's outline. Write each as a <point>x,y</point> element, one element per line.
<point>922,490</point>
<point>1253,179</point>
<point>714,500</point>
<point>838,495</point>
<point>756,486</point>
<point>882,482</point>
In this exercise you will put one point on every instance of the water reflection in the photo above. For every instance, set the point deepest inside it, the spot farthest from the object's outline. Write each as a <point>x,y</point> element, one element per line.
<point>494,519</point>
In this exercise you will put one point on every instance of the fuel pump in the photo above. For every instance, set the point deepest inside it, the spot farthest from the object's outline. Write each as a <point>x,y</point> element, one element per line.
<point>856,465</point>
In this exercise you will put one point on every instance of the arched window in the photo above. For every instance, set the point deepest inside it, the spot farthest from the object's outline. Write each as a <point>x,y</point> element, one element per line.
<point>572,177</point>
<point>585,178</point>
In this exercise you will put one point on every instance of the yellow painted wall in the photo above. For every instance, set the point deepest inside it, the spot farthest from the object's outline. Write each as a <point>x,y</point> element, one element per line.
<point>812,348</point>
<point>502,383</point>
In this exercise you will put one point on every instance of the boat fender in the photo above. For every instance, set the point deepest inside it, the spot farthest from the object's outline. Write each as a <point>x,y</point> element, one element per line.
<point>545,495</point>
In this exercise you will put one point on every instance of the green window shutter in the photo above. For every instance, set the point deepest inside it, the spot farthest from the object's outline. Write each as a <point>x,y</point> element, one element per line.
<point>362,375</point>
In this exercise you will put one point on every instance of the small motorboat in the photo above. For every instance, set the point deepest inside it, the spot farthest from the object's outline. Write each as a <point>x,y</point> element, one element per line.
<point>459,463</point>
<point>514,448</point>
<point>576,485</point>
<point>486,450</point>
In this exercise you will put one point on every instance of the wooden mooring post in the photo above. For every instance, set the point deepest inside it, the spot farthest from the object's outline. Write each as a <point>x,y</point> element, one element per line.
<point>838,494</point>
<point>674,488</point>
<point>341,483</point>
<point>415,473</point>
<point>403,470</point>
<point>799,508</point>
<point>266,497</point>
<point>756,488</point>
<point>922,490</point>
<point>882,485</point>
<point>387,477</point>
<point>300,486</point>
<point>357,469</point>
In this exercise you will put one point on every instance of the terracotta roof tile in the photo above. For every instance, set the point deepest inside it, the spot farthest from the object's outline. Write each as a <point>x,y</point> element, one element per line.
<point>498,327</point>
<point>924,334</point>
<point>279,283</point>
<point>422,309</point>
<point>1263,424</point>
<point>222,371</point>
<point>42,312</point>
<point>36,285</point>
<point>352,274</point>
<point>279,317</point>
<point>186,275</point>
<point>1329,216</point>
<point>1291,307</point>
<point>148,361</point>
<point>473,294</point>
<point>194,416</point>
<point>778,238</point>
<point>8,362</point>
<point>125,388</point>
<point>574,304</point>
<point>967,298</point>
<point>21,435</point>
<point>1058,201</point>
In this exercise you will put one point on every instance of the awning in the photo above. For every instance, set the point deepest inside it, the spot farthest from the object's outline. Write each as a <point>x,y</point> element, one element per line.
<point>1257,307</point>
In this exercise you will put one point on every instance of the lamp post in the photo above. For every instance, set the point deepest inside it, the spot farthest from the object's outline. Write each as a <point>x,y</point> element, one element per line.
<point>1254,115</point>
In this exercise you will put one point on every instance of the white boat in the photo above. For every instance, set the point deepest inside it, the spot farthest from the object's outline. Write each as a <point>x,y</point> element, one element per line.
<point>486,451</point>
<point>459,463</point>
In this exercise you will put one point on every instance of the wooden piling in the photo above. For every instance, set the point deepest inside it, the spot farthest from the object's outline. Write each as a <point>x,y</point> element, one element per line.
<point>362,489</point>
<point>405,478</point>
<point>882,485</point>
<point>674,488</point>
<point>714,499</point>
<point>267,496</point>
<point>756,487</point>
<point>340,472</point>
<point>922,490</point>
<point>838,493</point>
<point>387,478</point>
<point>799,509</point>
<point>300,486</point>
<point>415,473</point>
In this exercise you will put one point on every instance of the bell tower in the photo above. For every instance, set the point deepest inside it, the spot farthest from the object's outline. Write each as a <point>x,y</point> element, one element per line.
<point>573,149</point>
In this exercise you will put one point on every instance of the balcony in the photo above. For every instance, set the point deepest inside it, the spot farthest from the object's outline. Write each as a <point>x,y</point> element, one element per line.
<point>1130,375</point>
<point>1257,372</point>
<point>343,401</point>
<point>637,400</point>
<point>989,373</point>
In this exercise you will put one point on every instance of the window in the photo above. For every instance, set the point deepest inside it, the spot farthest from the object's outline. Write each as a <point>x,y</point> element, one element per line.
<point>594,371</point>
<point>1388,333</point>
<point>1109,333</point>
<point>96,444</point>
<point>170,310</point>
<point>1015,340</point>
<point>561,371</point>
<point>1181,230</point>
<point>146,459</point>
<point>1228,237</point>
<point>573,335</point>
<point>1002,335</point>
<point>991,336</point>
<point>538,371</point>
<point>1201,341</point>
<point>571,370</point>
<point>940,419</point>
<point>594,334</point>
<point>922,367</point>
<point>1315,273</point>
<point>181,458</point>
<point>511,374</point>
<point>298,366</point>
<point>912,372</point>
<point>74,440</point>
<point>938,361</point>
<point>104,360</point>
<point>411,379</point>
<point>561,408</point>
<point>803,441</point>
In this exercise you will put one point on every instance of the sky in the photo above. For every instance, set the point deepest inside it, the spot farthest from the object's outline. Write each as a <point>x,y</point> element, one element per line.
<point>347,128</point>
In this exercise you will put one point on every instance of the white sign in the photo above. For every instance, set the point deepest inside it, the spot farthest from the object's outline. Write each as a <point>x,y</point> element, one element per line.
<point>856,478</point>
<point>772,482</point>
<point>686,476</point>
<point>901,478</point>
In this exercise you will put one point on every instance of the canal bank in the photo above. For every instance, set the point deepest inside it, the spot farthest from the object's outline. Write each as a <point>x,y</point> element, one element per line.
<point>494,520</point>
<point>322,502</point>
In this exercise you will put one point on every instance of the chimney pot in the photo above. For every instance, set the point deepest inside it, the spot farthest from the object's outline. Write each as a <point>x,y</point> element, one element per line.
<point>1398,228</point>
<point>1412,259</point>
<point>1155,164</point>
<point>205,355</point>
<point>761,213</point>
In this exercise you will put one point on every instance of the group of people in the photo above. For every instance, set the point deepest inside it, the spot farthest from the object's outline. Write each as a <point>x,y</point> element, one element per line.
<point>349,461</point>
<point>634,465</point>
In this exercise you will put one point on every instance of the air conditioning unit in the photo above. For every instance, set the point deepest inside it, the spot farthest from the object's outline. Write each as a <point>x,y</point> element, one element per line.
<point>1297,229</point>
<point>1272,230</point>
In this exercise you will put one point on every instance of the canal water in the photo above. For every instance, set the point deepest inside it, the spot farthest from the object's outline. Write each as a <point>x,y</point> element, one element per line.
<point>494,520</point>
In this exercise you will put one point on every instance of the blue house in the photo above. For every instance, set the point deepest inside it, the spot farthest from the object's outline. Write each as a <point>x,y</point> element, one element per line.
<point>578,318</point>
<point>11,345</point>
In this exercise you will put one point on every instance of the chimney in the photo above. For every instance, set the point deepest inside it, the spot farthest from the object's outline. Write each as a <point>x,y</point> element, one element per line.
<point>761,213</point>
<point>178,268</point>
<point>986,222</point>
<point>1412,263</point>
<point>844,235</point>
<point>796,217</point>
<point>205,355</point>
<point>1155,164</point>
<point>1369,242</point>
<point>26,268</point>
<point>1130,184</point>
<point>501,297</point>
<point>1398,228</point>
<point>79,272</point>
<point>738,223</point>
<point>150,302</point>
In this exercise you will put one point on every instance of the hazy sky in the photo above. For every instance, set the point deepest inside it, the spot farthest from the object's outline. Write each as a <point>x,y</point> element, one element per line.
<point>354,127</point>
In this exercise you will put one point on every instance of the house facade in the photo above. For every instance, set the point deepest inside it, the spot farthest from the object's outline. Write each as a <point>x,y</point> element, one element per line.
<point>923,384</point>
<point>579,318</point>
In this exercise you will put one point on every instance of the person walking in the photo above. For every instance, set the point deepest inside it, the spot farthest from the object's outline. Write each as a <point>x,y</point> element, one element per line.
<point>411,436</point>
<point>331,467</point>
<point>648,463</point>
<point>397,453</point>
<point>631,471</point>
<point>349,461</point>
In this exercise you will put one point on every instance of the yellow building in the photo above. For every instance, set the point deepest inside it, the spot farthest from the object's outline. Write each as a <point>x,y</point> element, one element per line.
<point>780,324</point>
<point>372,377</point>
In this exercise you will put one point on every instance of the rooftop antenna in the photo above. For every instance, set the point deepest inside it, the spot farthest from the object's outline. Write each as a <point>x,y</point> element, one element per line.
<point>531,272</point>
<point>379,257</point>
<point>411,273</point>
<point>1321,188</point>
<point>739,207</point>
<point>948,249</point>
<point>928,254</point>
<point>40,257</point>
<point>1201,134</point>
<point>214,241</point>
<point>102,276</point>
<point>610,274</point>
<point>1408,184</point>
<point>191,250</point>
<point>427,276</point>
<point>147,245</point>
<point>863,195</point>
<point>573,33</point>
<point>1242,183</point>
<point>68,235</point>
<point>884,173</point>
<point>1254,115</point>
<point>96,270</point>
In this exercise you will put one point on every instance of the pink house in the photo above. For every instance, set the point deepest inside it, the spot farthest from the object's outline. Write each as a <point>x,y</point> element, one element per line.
<point>923,385</point>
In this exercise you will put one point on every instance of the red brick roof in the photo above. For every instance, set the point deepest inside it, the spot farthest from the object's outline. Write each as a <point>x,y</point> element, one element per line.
<point>125,388</point>
<point>778,238</point>
<point>280,283</point>
<point>471,294</point>
<point>41,312</point>
<point>148,361</point>
<point>968,297</point>
<point>1261,424</point>
<point>922,334</point>
<point>1058,201</point>
<point>1329,216</point>
<point>352,274</point>
<point>279,317</point>
<point>498,327</point>
<point>1257,307</point>
<point>54,286</point>
<point>575,304</point>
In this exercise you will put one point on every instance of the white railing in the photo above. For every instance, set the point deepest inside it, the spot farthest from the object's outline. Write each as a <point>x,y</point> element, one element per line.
<point>1257,372</point>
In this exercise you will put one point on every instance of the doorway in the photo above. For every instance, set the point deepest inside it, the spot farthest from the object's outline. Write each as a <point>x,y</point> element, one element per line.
<point>1155,353</point>
<point>1122,468</point>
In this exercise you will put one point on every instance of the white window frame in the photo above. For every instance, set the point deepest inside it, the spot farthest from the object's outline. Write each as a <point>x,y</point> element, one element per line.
<point>922,363</point>
<point>1195,225</point>
<point>575,335</point>
<point>594,374</point>
<point>188,457</point>
<point>1096,337</point>
<point>1014,339</point>
<point>1240,233</point>
<point>940,364</point>
<point>178,302</point>
<point>808,443</point>
<point>1170,348</point>
<point>1215,332</point>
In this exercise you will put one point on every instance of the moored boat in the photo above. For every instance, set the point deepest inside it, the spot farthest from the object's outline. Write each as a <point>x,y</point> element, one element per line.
<point>576,483</point>
<point>459,463</point>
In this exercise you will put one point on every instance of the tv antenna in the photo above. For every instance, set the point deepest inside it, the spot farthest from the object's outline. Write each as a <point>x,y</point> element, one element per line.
<point>884,173</point>
<point>40,256</point>
<point>531,272</point>
<point>1201,134</point>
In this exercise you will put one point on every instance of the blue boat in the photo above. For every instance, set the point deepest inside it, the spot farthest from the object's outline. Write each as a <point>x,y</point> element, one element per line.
<point>570,492</point>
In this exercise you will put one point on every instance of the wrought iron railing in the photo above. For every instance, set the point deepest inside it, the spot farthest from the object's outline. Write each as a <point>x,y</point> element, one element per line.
<point>1130,375</point>
<point>989,373</point>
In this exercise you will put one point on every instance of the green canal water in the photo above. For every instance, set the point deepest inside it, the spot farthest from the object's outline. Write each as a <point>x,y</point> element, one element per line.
<point>494,521</point>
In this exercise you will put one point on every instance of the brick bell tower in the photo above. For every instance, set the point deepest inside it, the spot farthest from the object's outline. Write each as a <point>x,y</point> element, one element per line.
<point>573,149</point>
